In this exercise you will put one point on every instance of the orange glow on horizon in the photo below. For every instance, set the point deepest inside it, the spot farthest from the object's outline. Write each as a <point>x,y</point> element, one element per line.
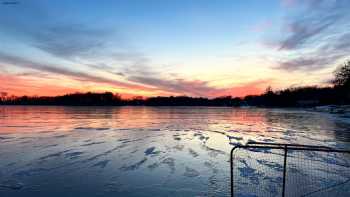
<point>31,86</point>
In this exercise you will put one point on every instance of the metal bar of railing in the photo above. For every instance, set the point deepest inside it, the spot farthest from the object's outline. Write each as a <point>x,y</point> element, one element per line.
<point>283,144</point>
<point>284,171</point>
<point>309,148</point>
<point>231,168</point>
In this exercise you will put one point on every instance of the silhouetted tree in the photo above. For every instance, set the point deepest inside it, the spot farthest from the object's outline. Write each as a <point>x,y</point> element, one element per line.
<point>342,75</point>
<point>268,90</point>
<point>342,83</point>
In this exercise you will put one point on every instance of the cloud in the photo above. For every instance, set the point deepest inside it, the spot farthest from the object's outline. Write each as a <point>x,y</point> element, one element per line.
<point>200,88</point>
<point>100,66</point>
<point>316,35</point>
<point>306,3</point>
<point>133,57</point>
<point>327,54</point>
<point>138,82</point>
<point>122,63</point>
<point>302,31</point>
<point>98,46</point>
<point>71,40</point>
<point>37,27</point>
<point>20,62</point>
<point>339,45</point>
<point>312,18</point>
<point>37,74</point>
<point>119,73</point>
<point>309,63</point>
<point>177,86</point>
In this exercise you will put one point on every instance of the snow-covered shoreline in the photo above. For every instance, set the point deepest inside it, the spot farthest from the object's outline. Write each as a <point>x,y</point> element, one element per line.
<point>344,110</point>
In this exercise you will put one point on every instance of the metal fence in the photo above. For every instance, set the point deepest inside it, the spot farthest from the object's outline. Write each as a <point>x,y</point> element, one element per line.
<point>270,169</point>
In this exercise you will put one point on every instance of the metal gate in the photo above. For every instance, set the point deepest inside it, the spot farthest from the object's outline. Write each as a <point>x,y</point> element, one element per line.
<point>271,169</point>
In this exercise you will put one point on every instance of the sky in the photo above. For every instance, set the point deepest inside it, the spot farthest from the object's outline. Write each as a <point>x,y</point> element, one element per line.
<point>163,47</point>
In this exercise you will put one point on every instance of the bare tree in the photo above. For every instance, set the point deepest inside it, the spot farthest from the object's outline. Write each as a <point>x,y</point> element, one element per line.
<point>342,75</point>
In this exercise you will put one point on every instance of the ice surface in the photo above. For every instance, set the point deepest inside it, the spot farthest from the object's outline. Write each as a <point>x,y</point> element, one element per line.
<point>191,172</point>
<point>11,184</point>
<point>147,151</point>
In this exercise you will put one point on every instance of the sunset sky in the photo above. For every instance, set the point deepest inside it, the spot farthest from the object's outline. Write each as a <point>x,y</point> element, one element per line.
<point>170,47</point>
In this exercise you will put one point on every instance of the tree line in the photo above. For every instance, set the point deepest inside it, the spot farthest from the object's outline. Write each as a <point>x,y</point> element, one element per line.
<point>337,94</point>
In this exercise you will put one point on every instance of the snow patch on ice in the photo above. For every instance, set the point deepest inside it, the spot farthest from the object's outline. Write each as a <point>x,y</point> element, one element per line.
<point>190,172</point>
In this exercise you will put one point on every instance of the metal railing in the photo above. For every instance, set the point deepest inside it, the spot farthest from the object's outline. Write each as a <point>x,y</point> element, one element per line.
<point>286,148</point>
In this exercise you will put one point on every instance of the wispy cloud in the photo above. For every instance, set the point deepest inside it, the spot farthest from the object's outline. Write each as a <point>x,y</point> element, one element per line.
<point>308,63</point>
<point>201,88</point>
<point>35,26</point>
<point>316,35</point>
<point>311,20</point>
<point>155,83</point>
<point>177,86</point>
<point>77,75</point>
<point>327,54</point>
<point>124,63</point>
<point>304,30</point>
<point>71,40</point>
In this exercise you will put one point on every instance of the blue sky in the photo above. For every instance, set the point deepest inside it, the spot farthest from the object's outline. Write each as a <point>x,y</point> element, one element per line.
<point>184,47</point>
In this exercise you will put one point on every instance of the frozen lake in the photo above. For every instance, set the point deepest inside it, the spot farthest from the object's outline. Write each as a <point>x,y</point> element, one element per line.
<point>143,151</point>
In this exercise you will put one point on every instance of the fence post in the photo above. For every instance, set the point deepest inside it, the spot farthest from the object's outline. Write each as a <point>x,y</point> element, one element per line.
<point>231,168</point>
<point>284,170</point>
